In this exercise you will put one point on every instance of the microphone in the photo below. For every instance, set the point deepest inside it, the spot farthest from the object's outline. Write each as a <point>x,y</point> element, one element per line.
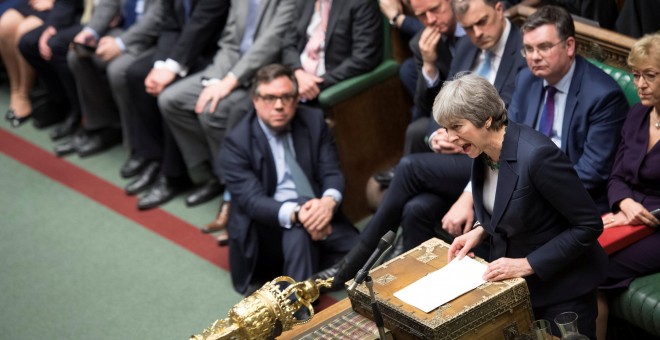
<point>384,244</point>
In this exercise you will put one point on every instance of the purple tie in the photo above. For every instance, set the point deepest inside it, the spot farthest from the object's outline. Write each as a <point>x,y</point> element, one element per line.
<point>548,114</point>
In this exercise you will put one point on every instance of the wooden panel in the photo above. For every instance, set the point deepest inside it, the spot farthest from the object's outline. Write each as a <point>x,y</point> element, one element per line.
<point>369,129</point>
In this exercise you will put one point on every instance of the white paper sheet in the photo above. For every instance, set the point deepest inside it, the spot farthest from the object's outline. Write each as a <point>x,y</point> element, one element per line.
<point>443,285</point>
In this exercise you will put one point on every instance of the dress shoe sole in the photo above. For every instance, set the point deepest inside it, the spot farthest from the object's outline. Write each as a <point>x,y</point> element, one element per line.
<point>65,152</point>
<point>223,240</point>
<point>94,151</point>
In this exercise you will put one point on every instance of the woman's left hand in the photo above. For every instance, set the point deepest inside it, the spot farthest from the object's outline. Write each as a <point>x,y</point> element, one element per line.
<point>636,213</point>
<point>506,268</point>
<point>612,220</point>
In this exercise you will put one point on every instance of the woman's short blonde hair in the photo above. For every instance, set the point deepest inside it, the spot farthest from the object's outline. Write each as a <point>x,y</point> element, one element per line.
<point>646,50</point>
<point>471,97</point>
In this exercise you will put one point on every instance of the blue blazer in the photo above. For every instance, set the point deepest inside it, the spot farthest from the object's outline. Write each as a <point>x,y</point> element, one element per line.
<point>512,62</point>
<point>505,79</point>
<point>251,178</point>
<point>594,114</point>
<point>542,212</point>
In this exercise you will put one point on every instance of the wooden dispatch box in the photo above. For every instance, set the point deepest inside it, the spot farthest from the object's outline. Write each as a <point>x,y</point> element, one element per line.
<point>494,310</point>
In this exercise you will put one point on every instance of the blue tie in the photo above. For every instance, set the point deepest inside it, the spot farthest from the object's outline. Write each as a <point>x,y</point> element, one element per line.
<point>300,180</point>
<point>548,114</point>
<point>129,13</point>
<point>484,67</point>
<point>248,36</point>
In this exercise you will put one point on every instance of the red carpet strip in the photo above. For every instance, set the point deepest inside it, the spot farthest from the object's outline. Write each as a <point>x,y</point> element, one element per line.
<point>107,194</point>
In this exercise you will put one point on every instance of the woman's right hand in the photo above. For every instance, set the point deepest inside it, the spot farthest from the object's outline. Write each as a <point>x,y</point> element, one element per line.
<point>464,243</point>
<point>636,214</point>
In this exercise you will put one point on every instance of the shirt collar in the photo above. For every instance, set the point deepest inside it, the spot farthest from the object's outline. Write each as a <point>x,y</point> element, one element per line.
<point>270,133</point>
<point>564,84</point>
<point>498,49</point>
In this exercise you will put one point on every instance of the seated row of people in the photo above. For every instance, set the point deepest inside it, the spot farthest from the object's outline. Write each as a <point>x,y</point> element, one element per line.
<point>173,76</point>
<point>575,104</point>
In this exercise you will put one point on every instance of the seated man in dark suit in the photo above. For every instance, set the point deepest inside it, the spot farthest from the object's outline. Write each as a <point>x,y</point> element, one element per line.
<point>283,173</point>
<point>345,41</point>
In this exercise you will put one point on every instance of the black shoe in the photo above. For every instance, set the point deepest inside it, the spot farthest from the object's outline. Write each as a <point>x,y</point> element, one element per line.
<point>99,141</point>
<point>71,145</point>
<point>133,166</point>
<point>16,121</point>
<point>211,189</point>
<point>327,273</point>
<point>67,128</point>
<point>146,178</point>
<point>162,191</point>
<point>348,266</point>
<point>10,114</point>
<point>395,251</point>
<point>384,178</point>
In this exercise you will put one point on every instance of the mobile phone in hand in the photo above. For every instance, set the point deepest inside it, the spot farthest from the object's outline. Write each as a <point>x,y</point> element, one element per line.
<point>656,213</point>
<point>83,50</point>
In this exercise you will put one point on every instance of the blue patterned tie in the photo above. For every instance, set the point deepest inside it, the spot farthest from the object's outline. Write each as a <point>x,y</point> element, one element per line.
<point>303,188</point>
<point>484,67</point>
<point>548,114</point>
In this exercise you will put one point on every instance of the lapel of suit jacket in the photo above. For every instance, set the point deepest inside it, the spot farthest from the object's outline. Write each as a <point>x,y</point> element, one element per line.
<point>467,62</point>
<point>534,103</point>
<point>265,156</point>
<point>572,101</point>
<point>336,10</point>
<point>266,7</point>
<point>302,143</point>
<point>241,16</point>
<point>306,18</point>
<point>478,191</point>
<point>508,60</point>
<point>507,178</point>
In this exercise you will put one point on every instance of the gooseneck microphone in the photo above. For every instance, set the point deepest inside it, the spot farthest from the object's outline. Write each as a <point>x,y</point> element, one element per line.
<point>384,244</point>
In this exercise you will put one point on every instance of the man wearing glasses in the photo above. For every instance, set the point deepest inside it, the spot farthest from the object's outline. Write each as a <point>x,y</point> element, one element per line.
<point>282,170</point>
<point>589,107</point>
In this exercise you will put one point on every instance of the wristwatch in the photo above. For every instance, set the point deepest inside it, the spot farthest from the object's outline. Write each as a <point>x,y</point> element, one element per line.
<point>394,18</point>
<point>296,210</point>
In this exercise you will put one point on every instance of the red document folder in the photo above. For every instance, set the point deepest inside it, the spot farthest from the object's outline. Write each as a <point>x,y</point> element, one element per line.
<point>617,238</point>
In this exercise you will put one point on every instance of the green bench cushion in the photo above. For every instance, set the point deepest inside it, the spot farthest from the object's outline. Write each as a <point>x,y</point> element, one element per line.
<point>623,78</point>
<point>640,304</point>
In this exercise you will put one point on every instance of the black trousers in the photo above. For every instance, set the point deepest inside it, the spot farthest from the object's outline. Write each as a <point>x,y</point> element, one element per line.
<point>151,138</point>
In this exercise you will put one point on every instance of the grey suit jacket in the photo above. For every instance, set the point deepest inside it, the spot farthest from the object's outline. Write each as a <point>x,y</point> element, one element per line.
<point>143,34</point>
<point>103,13</point>
<point>275,17</point>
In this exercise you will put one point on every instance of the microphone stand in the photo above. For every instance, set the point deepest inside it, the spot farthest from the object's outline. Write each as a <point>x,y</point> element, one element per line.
<point>378,317</point>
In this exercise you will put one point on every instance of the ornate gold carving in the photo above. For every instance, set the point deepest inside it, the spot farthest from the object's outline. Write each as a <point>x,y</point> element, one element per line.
<point>267,312</point>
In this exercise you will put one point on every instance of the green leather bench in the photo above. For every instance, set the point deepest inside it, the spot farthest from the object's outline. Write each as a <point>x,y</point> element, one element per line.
<point>638,305</point>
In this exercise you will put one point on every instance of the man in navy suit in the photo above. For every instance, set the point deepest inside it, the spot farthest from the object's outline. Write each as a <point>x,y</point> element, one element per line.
<point>282,170</point>
<point>589,106</point>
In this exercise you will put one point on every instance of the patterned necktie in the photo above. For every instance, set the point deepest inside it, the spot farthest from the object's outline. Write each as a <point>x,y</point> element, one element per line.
<point>87,11</point>
<point>484,67</point>
<point>303,188</point>
<point>315,42</point>
<point>548,114</point>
